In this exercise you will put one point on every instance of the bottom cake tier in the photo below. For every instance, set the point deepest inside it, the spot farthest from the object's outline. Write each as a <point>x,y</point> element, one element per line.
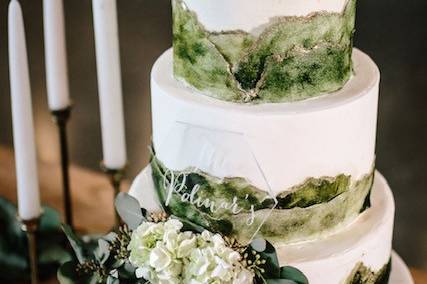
<point>359,253</point>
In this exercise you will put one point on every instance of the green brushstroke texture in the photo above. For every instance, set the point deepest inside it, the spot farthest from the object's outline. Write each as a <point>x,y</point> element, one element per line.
<point>364,275</point>
<point>197,60</point>
<point>305,211</point>
<point>294,58</point>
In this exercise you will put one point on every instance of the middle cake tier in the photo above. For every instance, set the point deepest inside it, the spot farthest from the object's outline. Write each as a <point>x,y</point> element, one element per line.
<point>305,167</point>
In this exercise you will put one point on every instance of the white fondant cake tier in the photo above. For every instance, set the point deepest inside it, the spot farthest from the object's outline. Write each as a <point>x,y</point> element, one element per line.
<point>326,136</point>
<point>247,15</point>
<point>367,240</point>
<point>332,259</point>
<point>400,273</point>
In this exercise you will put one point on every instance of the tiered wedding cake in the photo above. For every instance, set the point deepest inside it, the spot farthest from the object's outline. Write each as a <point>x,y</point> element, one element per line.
<point>264,126</point>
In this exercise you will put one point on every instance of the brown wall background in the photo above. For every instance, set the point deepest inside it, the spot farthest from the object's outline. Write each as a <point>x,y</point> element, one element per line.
<point>392,32</point>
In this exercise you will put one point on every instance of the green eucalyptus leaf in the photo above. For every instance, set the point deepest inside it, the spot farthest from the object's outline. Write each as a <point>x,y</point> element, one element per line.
<point>54,253</point>
<point>79,247</point>
<point>90,242</point>
<point>292,273</point>
<point>114,273</point>
<point>67,273</point>
<point>116,263</point>
<point>102,253</point>
<point>127,270</point>
<point>259,245</point>
<point>112,280</point>
<point>49,220</point>
<point>280,281</point>
<point>272,266</point>
<point>11,228</point>
<point>13,244</point>
<point>129,210</point>
<point>112,263</point>
<point>13,264</point>
<point>110,237</point>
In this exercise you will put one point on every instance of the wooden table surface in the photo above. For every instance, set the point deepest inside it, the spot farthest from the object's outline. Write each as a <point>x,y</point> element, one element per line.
<point>91,192</point>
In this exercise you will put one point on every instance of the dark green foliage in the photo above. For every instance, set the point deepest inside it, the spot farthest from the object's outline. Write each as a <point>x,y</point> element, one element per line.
<point>102,260</point>
<point>289,272</point>
<point>129,210</point>
<point>267,268</point>
<point>13,244</point>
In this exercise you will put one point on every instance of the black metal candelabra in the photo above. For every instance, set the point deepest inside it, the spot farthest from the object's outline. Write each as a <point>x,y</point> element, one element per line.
<point>61,118</point>
<point>30,228</point>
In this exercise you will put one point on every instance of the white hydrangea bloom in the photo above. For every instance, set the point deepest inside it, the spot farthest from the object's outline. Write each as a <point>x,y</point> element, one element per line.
<point>165,255</point>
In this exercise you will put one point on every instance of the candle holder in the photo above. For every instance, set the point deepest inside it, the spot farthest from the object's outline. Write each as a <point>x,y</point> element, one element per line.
<point>116,177</point>
<point>30,228</point>
<point>61,117</point>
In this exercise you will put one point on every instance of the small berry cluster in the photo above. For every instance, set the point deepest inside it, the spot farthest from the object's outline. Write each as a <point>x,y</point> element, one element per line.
<point>119,246</point>
<point>254,262</point>
<point>157,217</point>
<point>251,260</point>
<point>92,267</point>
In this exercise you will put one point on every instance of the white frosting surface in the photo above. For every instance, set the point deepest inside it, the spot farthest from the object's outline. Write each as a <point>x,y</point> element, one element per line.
<point>143,189</point>
<point>400,271</point>
<point>324,136</point>
<point>248,15</point>
<point>331,259</point>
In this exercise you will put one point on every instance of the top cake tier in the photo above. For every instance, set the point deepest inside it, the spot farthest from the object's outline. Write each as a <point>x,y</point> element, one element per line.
<point>263,51</point>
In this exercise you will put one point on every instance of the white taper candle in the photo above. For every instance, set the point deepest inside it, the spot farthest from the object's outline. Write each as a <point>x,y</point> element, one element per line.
<point>109,83</point>
<point>23,127</point>
<point>55,55</point>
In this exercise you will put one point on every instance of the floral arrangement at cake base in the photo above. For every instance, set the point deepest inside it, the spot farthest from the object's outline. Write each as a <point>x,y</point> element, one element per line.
<point>157,248</point>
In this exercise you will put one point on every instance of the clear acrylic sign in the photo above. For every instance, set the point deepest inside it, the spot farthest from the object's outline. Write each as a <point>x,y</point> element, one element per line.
<point>211,178</point>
